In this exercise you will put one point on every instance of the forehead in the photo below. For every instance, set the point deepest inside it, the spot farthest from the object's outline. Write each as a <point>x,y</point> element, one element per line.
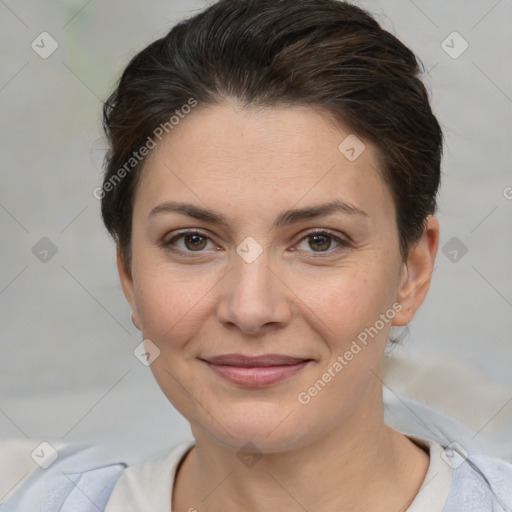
<point>248,158</point>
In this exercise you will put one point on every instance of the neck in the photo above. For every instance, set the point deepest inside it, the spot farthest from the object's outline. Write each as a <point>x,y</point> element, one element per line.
<point>359,465</point>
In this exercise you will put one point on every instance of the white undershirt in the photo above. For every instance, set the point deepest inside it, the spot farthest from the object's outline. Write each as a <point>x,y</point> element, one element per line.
<point>148,485</point>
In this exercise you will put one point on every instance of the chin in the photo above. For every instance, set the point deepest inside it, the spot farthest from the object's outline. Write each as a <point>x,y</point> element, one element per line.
<point>271,428</point>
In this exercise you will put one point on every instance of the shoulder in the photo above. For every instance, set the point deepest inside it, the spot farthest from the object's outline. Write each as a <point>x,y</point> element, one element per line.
<point>480,484</point>
<point>53,477</point>
<point>459,480</point>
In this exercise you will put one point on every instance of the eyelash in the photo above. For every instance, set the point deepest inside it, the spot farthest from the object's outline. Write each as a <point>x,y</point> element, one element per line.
<point>343,244</point>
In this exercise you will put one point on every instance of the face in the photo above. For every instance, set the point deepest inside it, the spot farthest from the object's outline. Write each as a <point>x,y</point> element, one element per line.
<point>250,268</point>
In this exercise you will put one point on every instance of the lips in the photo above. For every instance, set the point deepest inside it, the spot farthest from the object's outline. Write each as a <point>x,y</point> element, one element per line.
<point>253,361</point>
<point>259,371</point>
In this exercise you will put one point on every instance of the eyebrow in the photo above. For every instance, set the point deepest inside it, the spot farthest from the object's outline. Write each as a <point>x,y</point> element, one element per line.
<point>285,218</point>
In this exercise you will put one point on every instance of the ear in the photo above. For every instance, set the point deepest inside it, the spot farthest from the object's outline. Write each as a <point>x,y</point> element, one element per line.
<point>126,280</point>
<point>417,272</point>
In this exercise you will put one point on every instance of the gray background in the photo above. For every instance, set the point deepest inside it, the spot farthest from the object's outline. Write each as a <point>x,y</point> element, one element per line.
<point>67,369</point>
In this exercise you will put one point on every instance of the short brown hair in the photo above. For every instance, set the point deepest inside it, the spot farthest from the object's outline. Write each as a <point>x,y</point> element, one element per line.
<point>319,53</point>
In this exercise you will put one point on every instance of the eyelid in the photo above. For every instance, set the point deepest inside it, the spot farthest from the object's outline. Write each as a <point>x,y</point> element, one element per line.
<point>343,241</point>
<point>166,241</point>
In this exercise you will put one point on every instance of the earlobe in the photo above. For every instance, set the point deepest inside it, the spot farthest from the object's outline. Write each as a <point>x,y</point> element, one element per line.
<point>126,280</point>
<point>417,272</point>
<point>135,321</point>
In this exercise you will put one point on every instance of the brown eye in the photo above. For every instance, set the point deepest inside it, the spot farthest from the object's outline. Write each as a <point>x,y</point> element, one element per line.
<point>322,242</point>
<point>195,242</point>
<point>192,241</point>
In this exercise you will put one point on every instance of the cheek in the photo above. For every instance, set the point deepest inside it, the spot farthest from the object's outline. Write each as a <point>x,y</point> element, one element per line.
<point>354,312</point>
<point>347,300</point>
<point>170,302</point>
<point>340,302</point>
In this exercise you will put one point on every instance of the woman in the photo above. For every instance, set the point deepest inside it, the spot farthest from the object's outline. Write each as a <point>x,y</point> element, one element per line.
<point>271,187</point>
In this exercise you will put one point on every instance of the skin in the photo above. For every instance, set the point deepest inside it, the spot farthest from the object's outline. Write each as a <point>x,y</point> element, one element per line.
<point>302,297</point>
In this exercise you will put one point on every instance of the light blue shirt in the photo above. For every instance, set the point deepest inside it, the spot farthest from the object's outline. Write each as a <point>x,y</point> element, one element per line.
<point>81,480</point>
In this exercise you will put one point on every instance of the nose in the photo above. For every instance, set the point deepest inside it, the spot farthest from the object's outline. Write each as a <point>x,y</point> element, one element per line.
<point>254,298</point>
